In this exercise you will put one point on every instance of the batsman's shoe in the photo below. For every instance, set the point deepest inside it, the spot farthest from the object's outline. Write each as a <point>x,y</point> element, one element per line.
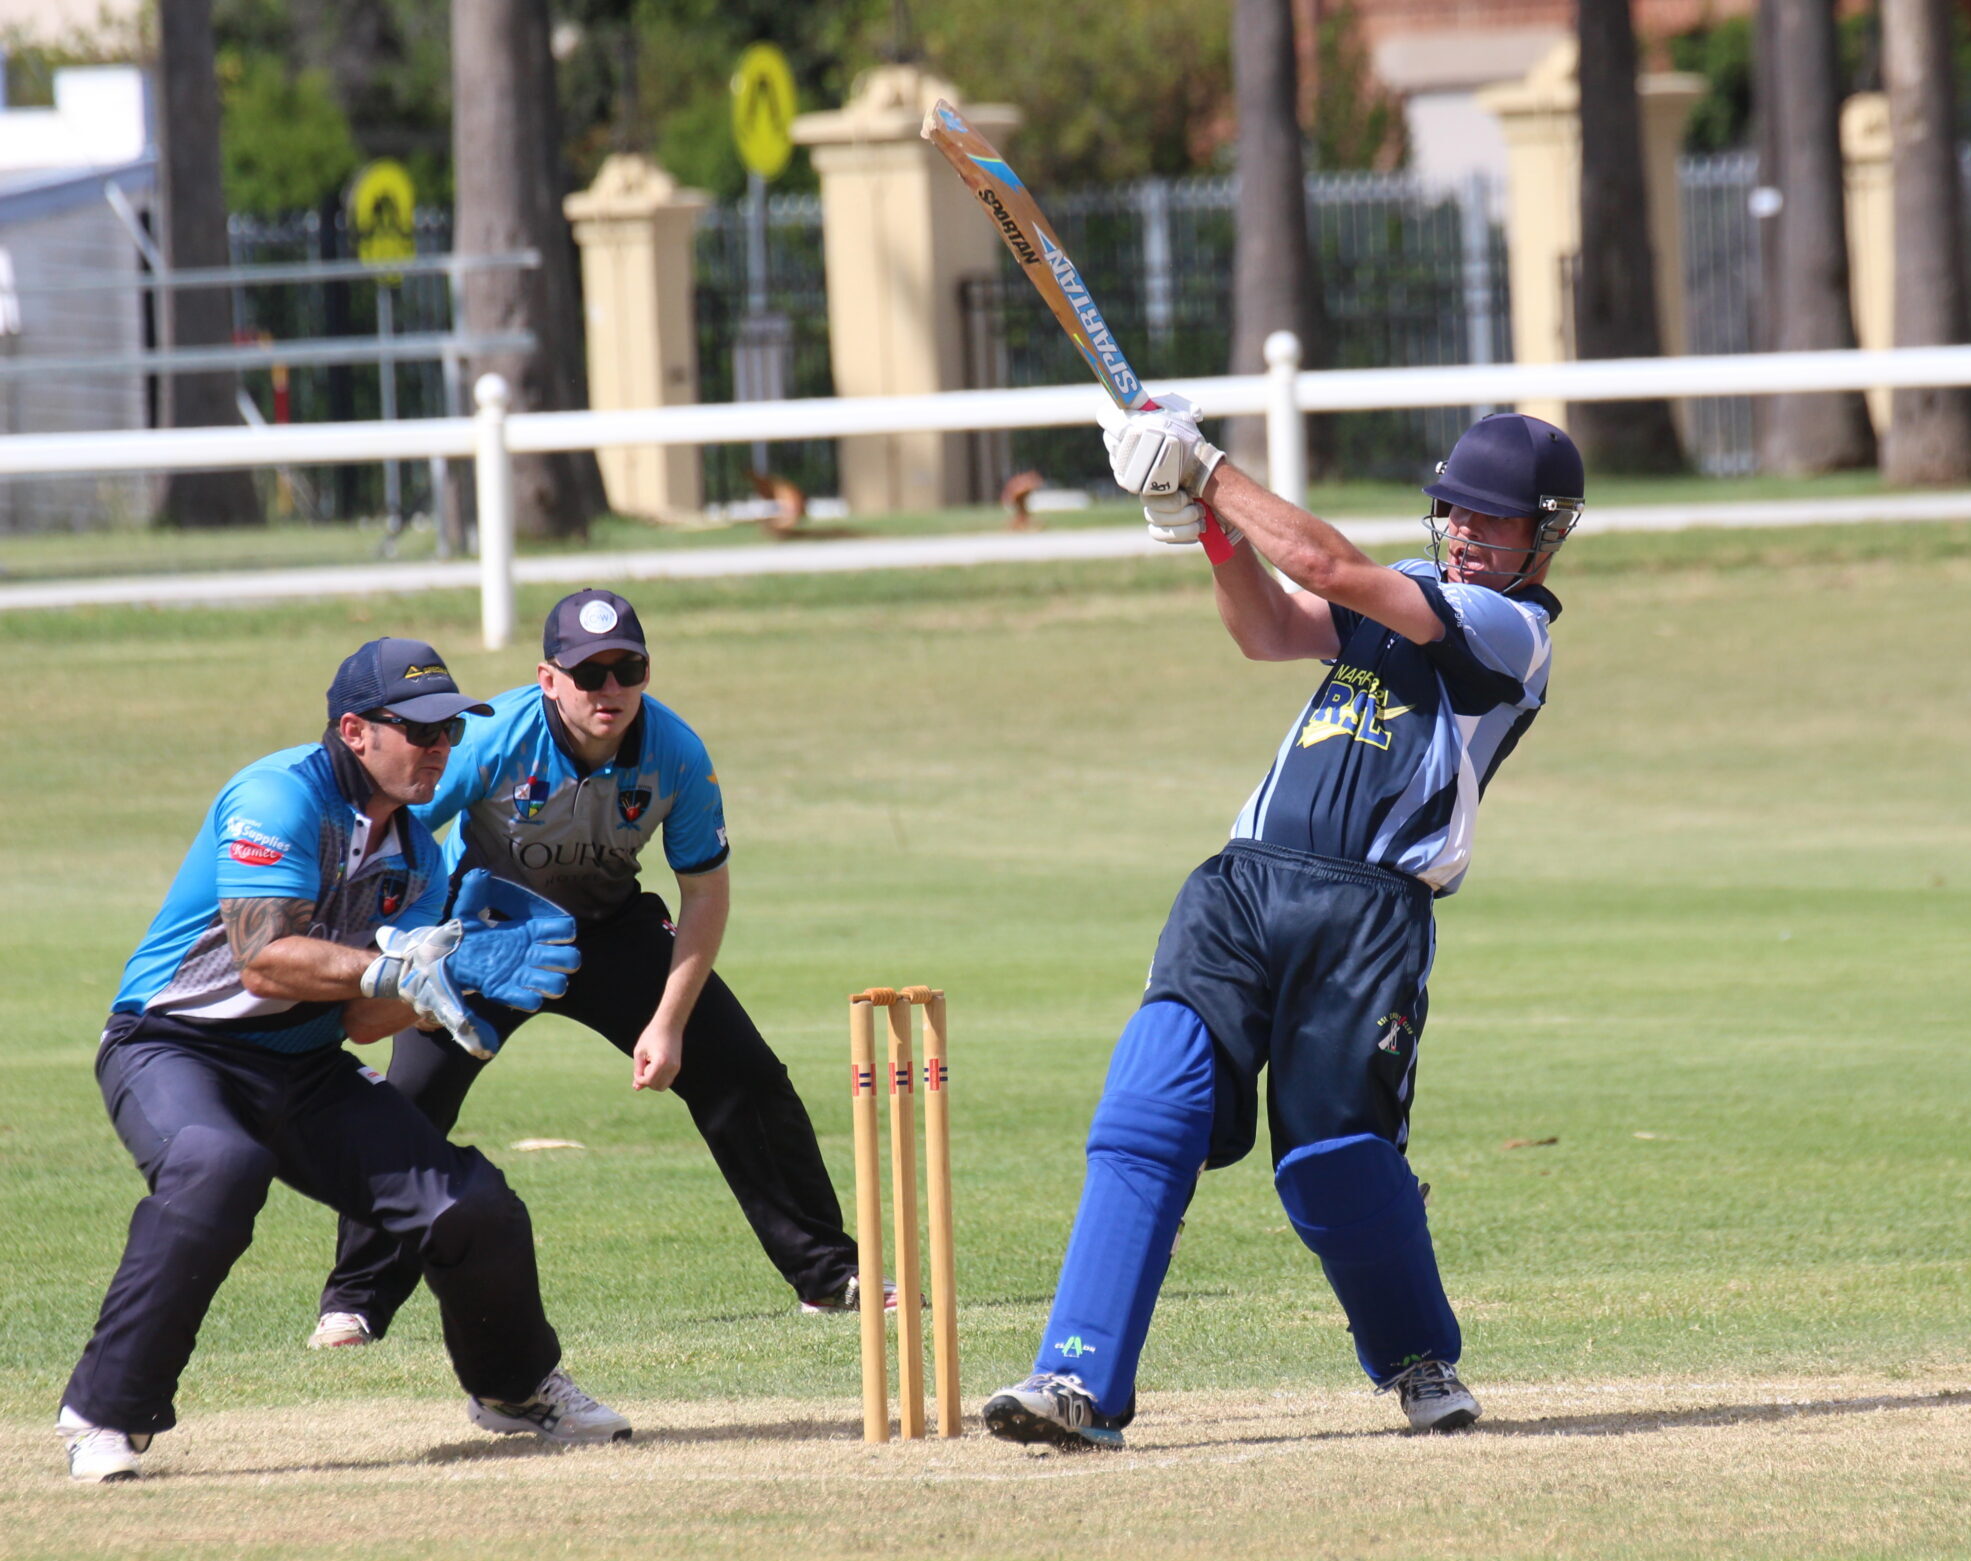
<point>849,1298</point>
<point>1049,1407</point>
<point>96,1454</point>
<point>559,1411</point>
<point>1433,1397</point>
<point>338,1330</point>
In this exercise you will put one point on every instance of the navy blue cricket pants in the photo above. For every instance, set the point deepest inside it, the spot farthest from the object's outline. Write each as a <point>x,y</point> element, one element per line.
<point>1313,970</point>
<point>212,1123</point>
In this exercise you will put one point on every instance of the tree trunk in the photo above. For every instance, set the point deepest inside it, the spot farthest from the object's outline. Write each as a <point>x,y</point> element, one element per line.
<point>1810,309</point>
<point>1929,436</point>
<point>1615,284</point>
<point>507,167</point>
<point>195,235</point>
<point>1276,283</point>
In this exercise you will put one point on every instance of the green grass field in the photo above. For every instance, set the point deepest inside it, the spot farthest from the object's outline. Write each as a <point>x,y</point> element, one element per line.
<point>1706,976</point>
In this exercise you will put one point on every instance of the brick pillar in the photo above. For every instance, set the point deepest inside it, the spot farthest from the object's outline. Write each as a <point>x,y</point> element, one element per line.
<point>634,227</point>
<point>899,231</point>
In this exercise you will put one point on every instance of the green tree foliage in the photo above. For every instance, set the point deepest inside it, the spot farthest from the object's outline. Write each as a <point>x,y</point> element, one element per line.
<point>1355,123</point>
<point>1722,55</point>
<point>384,66</point>
<point>1110,92</point>
<point>284,142</point>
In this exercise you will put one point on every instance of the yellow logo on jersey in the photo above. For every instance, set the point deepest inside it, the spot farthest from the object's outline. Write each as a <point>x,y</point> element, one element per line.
<point>1355,704</point>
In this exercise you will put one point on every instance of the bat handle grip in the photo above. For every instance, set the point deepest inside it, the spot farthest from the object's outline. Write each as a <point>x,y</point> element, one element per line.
<point>1217,546</point>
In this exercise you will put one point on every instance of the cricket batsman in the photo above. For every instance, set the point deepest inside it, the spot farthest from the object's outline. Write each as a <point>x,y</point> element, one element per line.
<point>1304,947</point>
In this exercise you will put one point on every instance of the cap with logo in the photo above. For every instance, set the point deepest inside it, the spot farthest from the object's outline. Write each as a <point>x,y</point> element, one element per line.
<point>405,677</point>
<point>588,623</point>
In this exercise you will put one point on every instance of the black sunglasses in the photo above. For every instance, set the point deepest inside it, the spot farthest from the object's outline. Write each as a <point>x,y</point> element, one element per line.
<point>588,676</point>
<point>423,734</point>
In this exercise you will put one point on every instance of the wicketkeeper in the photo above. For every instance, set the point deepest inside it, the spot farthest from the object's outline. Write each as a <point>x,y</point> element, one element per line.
<point>307,910</point>
<point>1303,948</point>
<point>576,775</point>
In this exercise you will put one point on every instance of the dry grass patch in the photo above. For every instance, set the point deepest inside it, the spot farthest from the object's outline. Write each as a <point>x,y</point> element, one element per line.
<point>1834,1467</point>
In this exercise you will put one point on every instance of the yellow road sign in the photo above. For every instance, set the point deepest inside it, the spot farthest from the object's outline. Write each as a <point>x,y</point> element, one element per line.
<point>763,109</point>
<point>381,206</point>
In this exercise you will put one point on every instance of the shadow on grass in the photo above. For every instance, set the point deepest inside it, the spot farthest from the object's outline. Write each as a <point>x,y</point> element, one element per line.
<point>1641,1421</point>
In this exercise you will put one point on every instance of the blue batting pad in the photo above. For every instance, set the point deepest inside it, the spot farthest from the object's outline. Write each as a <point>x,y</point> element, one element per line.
<point>1355,1203</point>
<point>1148,1142</point>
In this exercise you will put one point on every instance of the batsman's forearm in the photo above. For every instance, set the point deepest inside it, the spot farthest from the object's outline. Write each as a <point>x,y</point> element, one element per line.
<point>1303,547</point>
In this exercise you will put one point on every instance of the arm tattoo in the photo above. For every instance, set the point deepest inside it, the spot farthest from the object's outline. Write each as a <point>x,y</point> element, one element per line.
<point>252,924</point>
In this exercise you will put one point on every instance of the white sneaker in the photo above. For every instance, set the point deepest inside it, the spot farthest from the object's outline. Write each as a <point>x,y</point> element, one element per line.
<point>97,1454</point>
<point>558,1410</point>
<point>337,1330</point>
<point>1433,1397</point>
<point>849,1299</point>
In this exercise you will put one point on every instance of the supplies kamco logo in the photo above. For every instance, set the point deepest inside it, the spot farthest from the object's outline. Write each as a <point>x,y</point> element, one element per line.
<point>253,855</point>
<point>1398,1034</point>
<point>632,802</point>
<point>390,893</point>
<point>1354,704</point>
<point>529,797</point>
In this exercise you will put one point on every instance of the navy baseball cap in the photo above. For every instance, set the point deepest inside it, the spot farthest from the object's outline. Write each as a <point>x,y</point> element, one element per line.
<point>588,623</point>
<point>405,677</point>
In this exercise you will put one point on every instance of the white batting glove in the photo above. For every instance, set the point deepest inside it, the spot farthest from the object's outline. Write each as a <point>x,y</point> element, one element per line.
<point>1161,452</point>
<point>1177,519</point>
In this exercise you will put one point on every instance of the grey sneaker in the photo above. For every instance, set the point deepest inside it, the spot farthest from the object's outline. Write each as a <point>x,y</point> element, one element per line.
<point>559,1411</point>
<point>849,1299</point>
<point>339,1330</point>
<point>1050,1407</point>
<point>96,1454</point>
<point>1433,1397</point>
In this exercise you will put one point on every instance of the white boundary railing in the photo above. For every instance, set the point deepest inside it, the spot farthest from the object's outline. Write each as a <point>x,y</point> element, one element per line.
<point>1283,395</point>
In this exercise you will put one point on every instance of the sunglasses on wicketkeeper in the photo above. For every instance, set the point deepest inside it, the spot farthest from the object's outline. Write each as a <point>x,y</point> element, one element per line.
<point>422,734</point>
<point>589,676</point>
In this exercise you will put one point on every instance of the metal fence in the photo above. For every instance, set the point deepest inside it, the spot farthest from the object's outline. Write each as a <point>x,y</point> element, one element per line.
<point>1411,276</point>
<point>1721,287</point>
<point>797,290</point>
<point>289,310</point>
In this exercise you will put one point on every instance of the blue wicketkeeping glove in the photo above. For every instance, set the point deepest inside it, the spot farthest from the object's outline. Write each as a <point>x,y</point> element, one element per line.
<point>506,943</point>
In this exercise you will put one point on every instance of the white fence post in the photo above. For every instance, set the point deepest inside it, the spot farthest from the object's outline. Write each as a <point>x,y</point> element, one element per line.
<point>493,467</point>
<point>1286,433</point>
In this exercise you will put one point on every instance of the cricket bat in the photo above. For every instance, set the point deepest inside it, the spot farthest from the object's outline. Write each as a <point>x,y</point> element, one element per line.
<point>1016,215</point>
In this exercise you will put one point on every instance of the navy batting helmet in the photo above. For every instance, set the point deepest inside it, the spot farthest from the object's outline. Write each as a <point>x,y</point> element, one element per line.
<point>1510,464</point>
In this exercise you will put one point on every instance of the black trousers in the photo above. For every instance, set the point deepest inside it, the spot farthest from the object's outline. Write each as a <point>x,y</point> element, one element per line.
<point>212,1123</point>
<point>736,1089</point>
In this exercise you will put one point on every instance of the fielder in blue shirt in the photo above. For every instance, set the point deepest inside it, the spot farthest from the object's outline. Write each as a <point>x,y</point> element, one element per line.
<point>1304,947</point>
<point>309,909</point>
<point>565,787</point>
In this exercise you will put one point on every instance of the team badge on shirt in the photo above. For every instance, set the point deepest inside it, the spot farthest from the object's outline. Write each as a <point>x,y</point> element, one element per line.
<point>632,802</point>
<point>390,893</point>
<point>529,797</point>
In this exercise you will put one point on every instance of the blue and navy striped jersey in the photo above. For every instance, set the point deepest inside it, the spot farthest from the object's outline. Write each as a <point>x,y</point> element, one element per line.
<point>1387,762</point>
<point>530,811</point>
<point>288,827</point>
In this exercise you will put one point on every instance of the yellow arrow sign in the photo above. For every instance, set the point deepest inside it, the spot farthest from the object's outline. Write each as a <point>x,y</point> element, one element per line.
<point>763,110</point>
<point>382,205</point>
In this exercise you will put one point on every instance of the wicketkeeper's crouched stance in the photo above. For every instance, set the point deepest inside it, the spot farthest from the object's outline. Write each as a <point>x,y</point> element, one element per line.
<point>574,776</point>
<point>1304,947</point>
<point>303,913</point>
